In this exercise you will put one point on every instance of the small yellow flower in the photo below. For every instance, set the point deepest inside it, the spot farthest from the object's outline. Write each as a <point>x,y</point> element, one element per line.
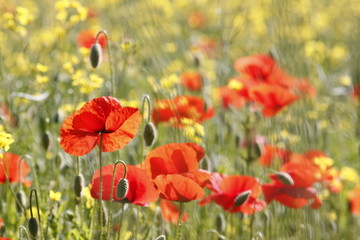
<point>5,140</point>
<point>235,84</point>
<point>349,174</point>
<point>323,162</point>
<point>55,196</point>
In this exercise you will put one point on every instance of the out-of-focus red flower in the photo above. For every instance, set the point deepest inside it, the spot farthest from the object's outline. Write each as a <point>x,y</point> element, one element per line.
<point>205,46</point>
<point>272,98</point>
<point>257,66</point>
<point>174,170</point>
<point>1,223</point>
<point>86,39</point>
<point>192,80</point>
<point>356,91</point>
<point>2,238</point>
<point>14,168</point>
<point>269,153</point>
<point>231,98</point>
<point>196,19</point>
<point>141,189</point>
<point>6,115</point>
<point>175,109</point>
<point>80,132</point>
<point>170,212</point>
<point>295,195</point>
<point>230,188</point>
<point>354,199</point>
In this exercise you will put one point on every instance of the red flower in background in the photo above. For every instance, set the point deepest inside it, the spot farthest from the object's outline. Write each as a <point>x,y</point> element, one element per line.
<point>14,168</point>
<point>257,66</point>
<point>273,98</point>
<point>86,39</point>
<point>80,132</point>
<point>170,212</point>
<point>181,107</point>
<point>269,153</point>
<point>141,189</point>
<point>192,80</point>
<point>196,19</point>
<point>354,199</point>
<point>298,191</point>
<point>174,170</point>
<point>228,190</point>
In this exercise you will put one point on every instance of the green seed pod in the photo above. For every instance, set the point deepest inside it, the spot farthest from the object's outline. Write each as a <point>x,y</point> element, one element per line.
<point>150,134</point>
<point>95,55</point>
<point>21,200</point>
<point>122,188</point>
<point>220,223</point>
<point>285,178</point>
<point>46,140</point>
<point>33,227</point>
<point>78,184</point>
<point>161,237</point>
<point>242,198</point>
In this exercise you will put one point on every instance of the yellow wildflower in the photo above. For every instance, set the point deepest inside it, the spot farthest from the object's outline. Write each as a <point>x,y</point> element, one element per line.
<point>323,162</point>
<point>349,174</point>
<point>5,140</point>
<point>55,196</point>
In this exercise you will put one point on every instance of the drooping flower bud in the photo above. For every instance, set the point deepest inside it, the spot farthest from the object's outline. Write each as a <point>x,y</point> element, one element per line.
<point>33,227</point>
<point>95,55</point>
<point>21,200</point>
<point>122,188</point>
<point>46,140</point>
<point>150,134</point>
<point>161,237</point>
<point>285,178</point>
<point>78,184</point>
<point>105,216</point>
<point>242,198</point>
<point>220,223</point>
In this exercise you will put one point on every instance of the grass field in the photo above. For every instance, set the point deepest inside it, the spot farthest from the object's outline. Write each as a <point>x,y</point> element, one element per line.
<point>140,119</point>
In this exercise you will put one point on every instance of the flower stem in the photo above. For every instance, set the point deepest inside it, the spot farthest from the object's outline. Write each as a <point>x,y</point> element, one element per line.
<point>178,230</point>
<point>38,210</point>
<point>121,220</point>
<point>101,187</point>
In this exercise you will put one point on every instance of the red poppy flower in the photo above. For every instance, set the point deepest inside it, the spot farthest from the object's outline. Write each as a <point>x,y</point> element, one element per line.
<point>296,194</point>
<point>174,170</point>
<point>14,168</point>
<point>273,98</point>
<point>141,189</point>
<point>354,199</point>
<point>231,98</point>
<point>86,39</point>
<point>257,66</point>
<point>170,212</point>
<point>269,153</point>
<point>181,107</point>
<point>80,132</point>
<point>233,186</point>
<point>2,238</point>
<point>192,80</point>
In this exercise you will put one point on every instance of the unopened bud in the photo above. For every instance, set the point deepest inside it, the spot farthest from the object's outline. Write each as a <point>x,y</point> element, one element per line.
<point>150,134</point>
<point>122,188</point>
<point>220,223</point>
<point>21,201</point>
<point>45,140</point>
<point>285,178</point>
<point>78,184</point>
<point>105,216</point>
<point>95,55</point>
<point>242,198</point>
<point>33,227</point>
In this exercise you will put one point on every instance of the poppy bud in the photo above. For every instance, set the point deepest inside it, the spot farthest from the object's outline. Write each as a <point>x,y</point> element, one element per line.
<point>105,216</point>
<point>122,188</point>
<point>242,198</point>
<point>285,178</point>
<point>33,227</point>
<point>78,184</point>
<point>45,140</point>
<point>95,55</point>
<point>21,201</point>
<point>161,237</point>
<point>150,134</point>
<point>220,223</point>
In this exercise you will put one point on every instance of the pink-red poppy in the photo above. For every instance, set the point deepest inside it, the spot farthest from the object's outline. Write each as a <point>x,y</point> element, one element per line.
<point>192,80</point>
<point>272,98</point>
<point>170,212</point>
<point>354,199</point>
<point>105,116</point>
<point>297,191</point>
<point>141,189</point>
<point>174,170</point>
<point>173,110</point>
<point>257,66</point>
<point>227,191</point>
<point>16,169</point>
<point>86,39</point>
